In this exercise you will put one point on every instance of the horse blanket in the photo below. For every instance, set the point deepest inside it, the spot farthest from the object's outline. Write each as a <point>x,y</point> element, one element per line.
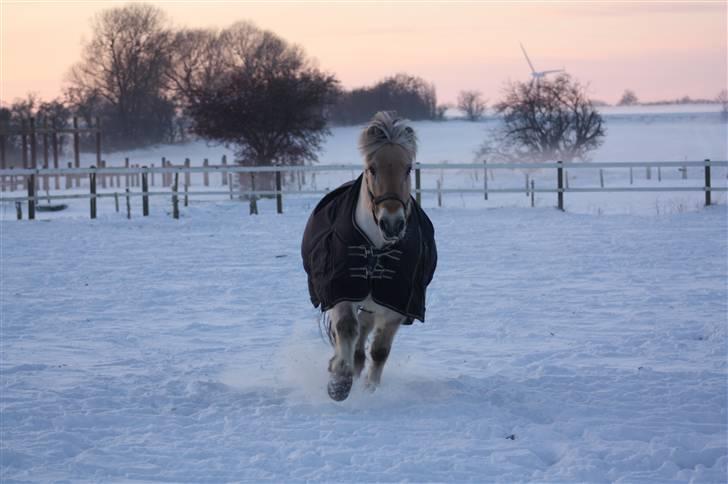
<point>343,265</point>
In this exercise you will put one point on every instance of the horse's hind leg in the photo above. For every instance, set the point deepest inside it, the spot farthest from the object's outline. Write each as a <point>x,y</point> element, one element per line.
<point>341,366</point>
<point>381,346</point>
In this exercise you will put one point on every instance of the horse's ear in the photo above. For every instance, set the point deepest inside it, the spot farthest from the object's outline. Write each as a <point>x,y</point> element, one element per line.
<point>375,132</point>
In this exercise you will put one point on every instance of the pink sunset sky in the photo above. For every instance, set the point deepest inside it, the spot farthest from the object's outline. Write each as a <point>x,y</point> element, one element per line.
<point>659,49</point>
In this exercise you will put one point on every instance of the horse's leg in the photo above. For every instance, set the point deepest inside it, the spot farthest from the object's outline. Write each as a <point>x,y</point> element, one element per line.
<point>341,366</point>
<point>366,323</point>
<point>382,344</point>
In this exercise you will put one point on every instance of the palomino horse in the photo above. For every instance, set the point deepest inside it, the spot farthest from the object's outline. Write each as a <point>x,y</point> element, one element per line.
<point>369,252</point>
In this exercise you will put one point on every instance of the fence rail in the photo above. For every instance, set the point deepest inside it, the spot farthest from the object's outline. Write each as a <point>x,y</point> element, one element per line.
<point>120,170</point>
<point>32,176</point>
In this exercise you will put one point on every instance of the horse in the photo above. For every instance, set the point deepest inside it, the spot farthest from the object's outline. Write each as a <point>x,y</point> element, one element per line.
<point>369,252</point>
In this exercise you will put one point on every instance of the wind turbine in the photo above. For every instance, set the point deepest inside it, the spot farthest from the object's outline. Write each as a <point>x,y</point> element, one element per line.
<point>538,74</point>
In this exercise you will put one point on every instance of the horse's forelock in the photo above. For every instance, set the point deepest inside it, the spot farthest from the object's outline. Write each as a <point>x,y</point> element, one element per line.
<point>386,128</point>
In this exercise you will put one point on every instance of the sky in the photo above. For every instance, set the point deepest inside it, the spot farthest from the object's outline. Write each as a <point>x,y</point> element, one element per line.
<point>659,49</point>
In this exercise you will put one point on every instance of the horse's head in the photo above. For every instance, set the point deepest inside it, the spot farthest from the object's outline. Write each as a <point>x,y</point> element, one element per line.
<point>389,147</point>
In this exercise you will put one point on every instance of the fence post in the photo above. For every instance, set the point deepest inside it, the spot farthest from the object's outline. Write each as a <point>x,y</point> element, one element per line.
<point>98,144</point>
<point>92,180</point>
<point>560,184</point>
<point>533,201</point>
<point>648,172</point>
<point>631,176</point>
<point>418,195</point>
<point>485,179</point>
<point>116,201</point>
<point>601,177</point>
<point>54,144</point>
<point>206,175</point>
<point>69,177</point>
<point>33,154</point>
<point>230,185</point>
<point>659,173</point>
<point>224,172</point>
<point>187,172</point>
<point>31,197</point>
<point>175,200</point>
<point>126,176</point>
<point>439,193</point>
<point>128,205</point>
<point>527,183</point>
<point>145,193</point>
<point>279,194</point>
<point>76,150</point>
<point>707,182</point>
<point>24,142</point>
<point>19,210</point>
<point>165,175</point>
<point>186,196</point>
<point>45,152</point>
<point>253,196</point>
<point>684,172</point>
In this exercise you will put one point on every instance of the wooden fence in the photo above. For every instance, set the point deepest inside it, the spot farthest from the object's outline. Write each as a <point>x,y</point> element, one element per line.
<point>47,137</point>
<point>140,177</point>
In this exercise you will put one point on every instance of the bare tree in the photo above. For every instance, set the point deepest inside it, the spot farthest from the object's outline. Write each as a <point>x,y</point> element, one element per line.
<point>629,98</point>
<point>268,100</point>
<point>122,71</point>
<point>547,120</point>
<point>472,104</point>
<point>198,61</point>
<point>441,110</point>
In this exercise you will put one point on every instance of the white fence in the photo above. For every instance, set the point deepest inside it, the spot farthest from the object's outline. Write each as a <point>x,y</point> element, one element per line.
<point>143,177</point>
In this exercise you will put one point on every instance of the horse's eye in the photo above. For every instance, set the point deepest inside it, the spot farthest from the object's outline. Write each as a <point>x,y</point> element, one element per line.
<point>409,170</point>
<point>373,171</point>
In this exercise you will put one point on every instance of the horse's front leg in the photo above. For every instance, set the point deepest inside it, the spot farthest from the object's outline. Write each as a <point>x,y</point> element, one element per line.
<point>341,367</point>
<point>366,323</point>
<point>381,346</point>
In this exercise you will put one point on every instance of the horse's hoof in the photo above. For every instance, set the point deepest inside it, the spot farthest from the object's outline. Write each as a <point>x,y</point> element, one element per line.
<point>370,386</point>
<point>339,387</point>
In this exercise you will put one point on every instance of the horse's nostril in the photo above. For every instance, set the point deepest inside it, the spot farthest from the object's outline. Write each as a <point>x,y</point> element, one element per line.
<point>391,227</point>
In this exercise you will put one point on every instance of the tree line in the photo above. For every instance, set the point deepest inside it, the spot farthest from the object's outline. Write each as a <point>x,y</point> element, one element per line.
<point>149,83</point>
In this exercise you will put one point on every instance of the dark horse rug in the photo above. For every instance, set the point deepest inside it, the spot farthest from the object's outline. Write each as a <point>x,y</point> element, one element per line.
<point>343,265</point>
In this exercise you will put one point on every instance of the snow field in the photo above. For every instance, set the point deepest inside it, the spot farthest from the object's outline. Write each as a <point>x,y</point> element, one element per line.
<point>558,347</point>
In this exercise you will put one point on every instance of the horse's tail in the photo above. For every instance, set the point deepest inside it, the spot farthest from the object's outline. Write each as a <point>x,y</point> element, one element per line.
<point>325,328</point>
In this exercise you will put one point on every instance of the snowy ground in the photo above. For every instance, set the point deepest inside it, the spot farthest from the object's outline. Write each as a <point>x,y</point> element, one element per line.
<point>558,347</point>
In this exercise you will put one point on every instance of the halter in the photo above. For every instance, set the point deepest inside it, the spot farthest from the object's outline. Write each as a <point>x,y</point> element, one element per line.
<point>382,198</point>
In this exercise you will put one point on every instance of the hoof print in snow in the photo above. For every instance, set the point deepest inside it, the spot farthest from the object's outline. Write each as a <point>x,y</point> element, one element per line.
<point>340,386</point>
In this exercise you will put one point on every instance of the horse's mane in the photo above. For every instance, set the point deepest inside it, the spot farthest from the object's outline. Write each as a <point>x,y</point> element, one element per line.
<point>386,128</point>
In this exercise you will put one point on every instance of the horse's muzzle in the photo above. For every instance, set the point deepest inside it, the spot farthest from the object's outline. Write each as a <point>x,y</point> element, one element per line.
<point>392,228</point>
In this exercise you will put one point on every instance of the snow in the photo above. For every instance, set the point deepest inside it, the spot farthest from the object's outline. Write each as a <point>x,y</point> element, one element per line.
<point>565,347</point>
